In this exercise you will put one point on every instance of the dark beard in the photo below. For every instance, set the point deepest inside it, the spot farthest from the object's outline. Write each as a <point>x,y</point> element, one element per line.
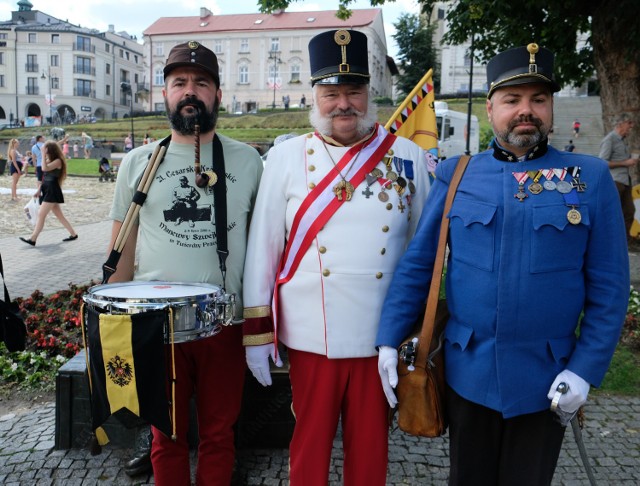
<point>185,125</point>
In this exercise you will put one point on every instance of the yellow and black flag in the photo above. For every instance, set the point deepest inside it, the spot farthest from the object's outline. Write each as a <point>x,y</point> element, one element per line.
<point>127,367</point>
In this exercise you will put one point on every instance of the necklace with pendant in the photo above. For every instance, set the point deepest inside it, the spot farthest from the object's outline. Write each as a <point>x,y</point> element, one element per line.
<point>343,189</point>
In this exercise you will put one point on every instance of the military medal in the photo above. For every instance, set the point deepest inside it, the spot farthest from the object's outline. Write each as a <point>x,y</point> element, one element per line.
<point>535,187</point>
<point>548,184</point>
<point>343,189</point>
<point>572,200</point>
<point>392,176</point>
<point>564,187</point>
<point>383,196</point>
<point>576,182</point>
<point>412,187</point>
<point>377,173</point>
<point>574,216</point>
<point>521,177</point>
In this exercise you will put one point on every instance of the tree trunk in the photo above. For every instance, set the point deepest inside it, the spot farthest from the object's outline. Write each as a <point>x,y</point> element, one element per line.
<point>619,75</point>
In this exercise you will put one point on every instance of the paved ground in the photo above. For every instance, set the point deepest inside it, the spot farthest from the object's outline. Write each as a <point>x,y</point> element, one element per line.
<point>27,457</point>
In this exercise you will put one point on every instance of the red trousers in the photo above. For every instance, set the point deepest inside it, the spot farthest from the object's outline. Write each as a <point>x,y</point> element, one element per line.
<point>213,369</point>
<point>323,390</point>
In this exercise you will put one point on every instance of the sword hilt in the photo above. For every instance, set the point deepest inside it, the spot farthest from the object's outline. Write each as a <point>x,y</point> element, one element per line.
<point>563,417</point>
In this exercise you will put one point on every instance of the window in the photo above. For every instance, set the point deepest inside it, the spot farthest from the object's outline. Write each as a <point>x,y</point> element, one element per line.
<point>159,49</point>
<point>4,35</point>
<point>32,63</point>
<point>295,73</point>
<point>135,58</point>
<point>221,73</point>
<point>275,44</point>
<point>159,107</point>
<point>217,47</point>
<point>55,38</point>
<point>1,80</point>
<point>54,60</point>
<point>32,86</point>
<point>33,38</point>
<point>126,55</point>
<point>158,77</point>
<point>243,74</point>
<point>107,68</point>
<point>121,54</point>
<point>244,45</point>
<point>106,47</point>
<point>1,57</point>
<point>83,65</point>
<point>83,87</point>
<point>55,83</point>
<point>83,43</point>
<point>107,90</point>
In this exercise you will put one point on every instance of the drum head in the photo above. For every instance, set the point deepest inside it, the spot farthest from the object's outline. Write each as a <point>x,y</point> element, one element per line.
<point>151,291</point>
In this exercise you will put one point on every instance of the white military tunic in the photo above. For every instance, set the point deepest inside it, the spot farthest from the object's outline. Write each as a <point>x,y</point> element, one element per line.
<point>331,306</point>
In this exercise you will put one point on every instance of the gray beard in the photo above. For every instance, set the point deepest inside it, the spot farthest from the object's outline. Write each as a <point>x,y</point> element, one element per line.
<point>366,121</point>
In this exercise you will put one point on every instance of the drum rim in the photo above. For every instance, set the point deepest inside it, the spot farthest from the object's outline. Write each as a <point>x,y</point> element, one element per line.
<point>90,295</point>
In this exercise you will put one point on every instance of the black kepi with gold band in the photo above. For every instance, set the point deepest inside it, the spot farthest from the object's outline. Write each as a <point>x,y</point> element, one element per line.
<point>521,65</point>
<point>339,57</point>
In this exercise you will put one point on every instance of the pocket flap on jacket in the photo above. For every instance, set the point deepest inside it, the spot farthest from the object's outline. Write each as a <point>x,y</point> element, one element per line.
<point>556,216</point>
<point>472,211</point>
<point>458,334</point>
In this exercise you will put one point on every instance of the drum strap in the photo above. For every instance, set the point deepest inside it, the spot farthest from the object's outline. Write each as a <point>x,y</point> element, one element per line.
<point>219,203</point>
<point>220,207</point>
<point>109,267</point>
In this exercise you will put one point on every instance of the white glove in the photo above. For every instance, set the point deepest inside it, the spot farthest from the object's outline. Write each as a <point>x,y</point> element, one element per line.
<point>388,369</point>
<point>575,397</point>
<point>258,361</point>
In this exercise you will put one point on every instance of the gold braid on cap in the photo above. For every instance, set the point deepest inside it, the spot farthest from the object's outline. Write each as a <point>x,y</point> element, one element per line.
<point>343,38</point>
<point>533,50</point>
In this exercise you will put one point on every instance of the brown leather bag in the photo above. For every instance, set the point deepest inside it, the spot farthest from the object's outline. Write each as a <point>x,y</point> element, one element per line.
<point>421,383</point>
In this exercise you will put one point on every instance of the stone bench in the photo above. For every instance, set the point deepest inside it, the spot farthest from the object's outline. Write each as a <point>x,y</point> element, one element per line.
<point>265,419</point>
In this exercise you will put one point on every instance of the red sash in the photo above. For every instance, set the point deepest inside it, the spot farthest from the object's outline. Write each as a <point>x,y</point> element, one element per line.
<point>321,203</point>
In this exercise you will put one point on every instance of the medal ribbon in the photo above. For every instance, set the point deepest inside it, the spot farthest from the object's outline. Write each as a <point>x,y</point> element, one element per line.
<point>521,177</point>
<point>560,173</point>
<point>548,174</point>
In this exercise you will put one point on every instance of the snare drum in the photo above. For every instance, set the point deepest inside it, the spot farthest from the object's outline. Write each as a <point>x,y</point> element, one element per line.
<point>199,309</point>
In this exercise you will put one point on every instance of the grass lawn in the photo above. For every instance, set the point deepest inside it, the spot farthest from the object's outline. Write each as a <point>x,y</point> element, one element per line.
<point>82,167</point>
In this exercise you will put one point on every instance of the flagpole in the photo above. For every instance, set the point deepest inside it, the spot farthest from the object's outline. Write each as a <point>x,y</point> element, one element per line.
<point>408,99</point>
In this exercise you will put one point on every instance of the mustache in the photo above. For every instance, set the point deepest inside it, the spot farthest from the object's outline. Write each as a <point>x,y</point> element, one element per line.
<point>537,122</point>
<point>347,112</point>
<point>191,101</point>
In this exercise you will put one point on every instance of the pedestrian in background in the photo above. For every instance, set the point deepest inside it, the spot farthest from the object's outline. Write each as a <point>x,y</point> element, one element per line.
<point>15,166</point>
<point>54,167</point>
<point>576,128</point>
<point>537,251</point>
<point>615,151</point>
<point>569,147</point>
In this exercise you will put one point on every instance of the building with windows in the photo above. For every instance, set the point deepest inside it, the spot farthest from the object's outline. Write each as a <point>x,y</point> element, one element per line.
<point>263,57</point>
<point>52,71</point>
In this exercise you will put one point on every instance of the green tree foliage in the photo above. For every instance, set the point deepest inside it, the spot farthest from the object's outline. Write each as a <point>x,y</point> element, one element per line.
<point>611,50</point>
<point>416,52</point>
<point>612,47</point>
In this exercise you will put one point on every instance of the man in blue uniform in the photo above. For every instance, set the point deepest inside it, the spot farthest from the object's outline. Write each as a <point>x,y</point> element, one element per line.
<point>537,249</point>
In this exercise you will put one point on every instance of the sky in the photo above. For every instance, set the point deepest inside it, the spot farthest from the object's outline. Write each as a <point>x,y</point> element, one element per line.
<point>134,16</point>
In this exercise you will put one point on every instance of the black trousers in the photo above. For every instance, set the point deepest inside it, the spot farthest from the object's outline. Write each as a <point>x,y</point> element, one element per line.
<point>486,449</point>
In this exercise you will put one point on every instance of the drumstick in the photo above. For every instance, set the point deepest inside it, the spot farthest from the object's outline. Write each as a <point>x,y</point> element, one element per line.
<point>143,186</point>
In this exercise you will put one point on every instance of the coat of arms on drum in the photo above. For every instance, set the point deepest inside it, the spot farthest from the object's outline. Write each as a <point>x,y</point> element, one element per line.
<point>120,372</point>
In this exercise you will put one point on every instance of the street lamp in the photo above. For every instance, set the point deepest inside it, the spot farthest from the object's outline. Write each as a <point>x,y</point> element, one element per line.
<point>127,88</point>
<point>50,100</point>
<point>273,56</point>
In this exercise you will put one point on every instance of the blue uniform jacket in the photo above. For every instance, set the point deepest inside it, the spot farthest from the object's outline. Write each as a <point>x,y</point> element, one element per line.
<point>519,276</point>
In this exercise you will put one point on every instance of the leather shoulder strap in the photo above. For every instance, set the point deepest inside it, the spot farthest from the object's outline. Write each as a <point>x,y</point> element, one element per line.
<point>426,334</point>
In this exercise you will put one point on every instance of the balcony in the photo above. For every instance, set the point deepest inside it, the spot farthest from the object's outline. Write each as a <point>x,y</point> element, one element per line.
<point>87,93</point>
<point>91,71</point>
<point>31,67</point>
<point>84,48</point>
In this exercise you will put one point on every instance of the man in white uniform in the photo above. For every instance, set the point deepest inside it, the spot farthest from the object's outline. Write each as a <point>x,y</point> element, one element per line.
<point>334,213</point>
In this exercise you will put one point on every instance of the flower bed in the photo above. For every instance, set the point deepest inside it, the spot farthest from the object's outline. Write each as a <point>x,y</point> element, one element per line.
<point>54,335</point>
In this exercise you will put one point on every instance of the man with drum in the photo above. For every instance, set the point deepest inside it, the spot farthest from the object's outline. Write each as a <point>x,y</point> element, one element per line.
<point>210,368</point>
<point>334,213</point>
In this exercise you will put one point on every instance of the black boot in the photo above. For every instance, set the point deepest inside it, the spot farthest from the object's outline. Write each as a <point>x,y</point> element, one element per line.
<point>140,463</point>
